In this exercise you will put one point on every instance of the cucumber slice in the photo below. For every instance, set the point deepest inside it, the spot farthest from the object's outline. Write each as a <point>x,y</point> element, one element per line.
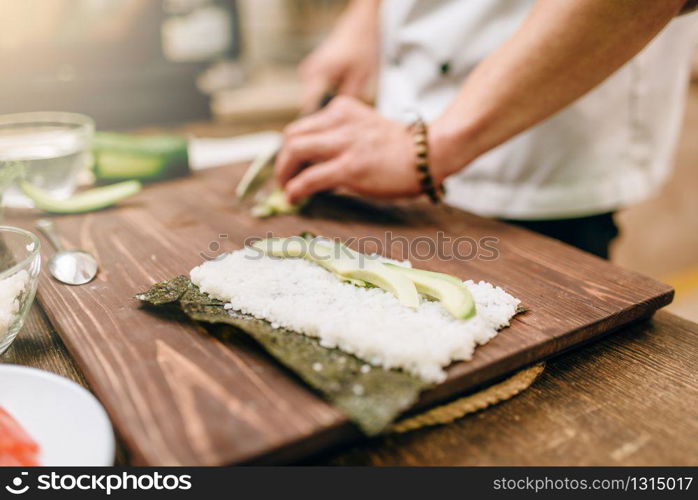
<point>151,144</point>
<point>147,158</point>
<point>449,290</point>
<point>275,204</point>
<point>87,201</point>
<point>122,165</point>
<point>346,265</point>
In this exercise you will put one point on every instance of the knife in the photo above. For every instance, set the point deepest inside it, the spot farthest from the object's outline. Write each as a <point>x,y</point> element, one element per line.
<point>262,168</point>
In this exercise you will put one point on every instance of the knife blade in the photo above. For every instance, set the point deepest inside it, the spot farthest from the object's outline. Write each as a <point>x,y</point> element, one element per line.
<point>262,168</point>
<point>258,173</point>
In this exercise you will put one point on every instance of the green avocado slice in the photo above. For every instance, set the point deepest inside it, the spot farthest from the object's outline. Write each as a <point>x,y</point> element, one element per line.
<point>86,201</point>
<point>345,263</point>
<point>449,290</point>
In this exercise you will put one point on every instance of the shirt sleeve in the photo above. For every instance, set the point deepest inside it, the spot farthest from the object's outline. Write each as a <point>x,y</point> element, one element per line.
<point>689,6</point>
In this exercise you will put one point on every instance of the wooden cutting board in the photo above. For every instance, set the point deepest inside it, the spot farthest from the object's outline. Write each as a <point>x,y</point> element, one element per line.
<point>179,396</point>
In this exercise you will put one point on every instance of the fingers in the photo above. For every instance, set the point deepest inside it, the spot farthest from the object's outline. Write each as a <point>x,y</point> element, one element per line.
<point>317,122</point>
<point>313,91</point>
<point>300,150</point>
<point>316,77</point>
<point>314,179</point>
<point>340,111</point>
<point>352,86</point>
<point>319,137</point>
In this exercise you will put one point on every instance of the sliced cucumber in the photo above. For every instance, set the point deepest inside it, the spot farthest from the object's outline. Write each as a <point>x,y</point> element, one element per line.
<point>275,204</point>
<point>9,172</point>
<point>147,158</point>
<point>449,290</point>
<point>87,201</point>
<point>347,265</point>
<point>126,165</point>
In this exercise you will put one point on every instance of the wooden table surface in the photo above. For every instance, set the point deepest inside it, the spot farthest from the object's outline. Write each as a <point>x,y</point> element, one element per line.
<point>180,397</point>
<point>629,399</point>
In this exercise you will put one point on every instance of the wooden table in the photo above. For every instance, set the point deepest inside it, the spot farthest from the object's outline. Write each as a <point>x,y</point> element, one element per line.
<point>629,399</point>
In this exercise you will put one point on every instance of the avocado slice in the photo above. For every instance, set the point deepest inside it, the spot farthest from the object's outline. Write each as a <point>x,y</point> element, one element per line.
<point>449,290</point>
<point>300,247</point>
<point>293,247</point>
<point>86,201</point>
<point>343,262</point>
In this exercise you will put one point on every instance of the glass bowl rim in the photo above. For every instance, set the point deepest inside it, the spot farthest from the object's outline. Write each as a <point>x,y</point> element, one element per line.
<point>83,122</point>
<point>21,264</point>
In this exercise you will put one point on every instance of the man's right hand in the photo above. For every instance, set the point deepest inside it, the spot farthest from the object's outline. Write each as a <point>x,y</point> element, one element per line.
<point>347,62</point>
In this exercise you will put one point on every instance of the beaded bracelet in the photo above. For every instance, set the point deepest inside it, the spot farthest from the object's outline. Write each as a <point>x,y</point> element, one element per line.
<point>426,181</point>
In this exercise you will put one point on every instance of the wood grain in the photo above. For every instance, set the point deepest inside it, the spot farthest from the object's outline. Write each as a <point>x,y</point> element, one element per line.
<point>179,396</point>
<point>630,399</point>
<point>39,346</point>
<point>590,414</point>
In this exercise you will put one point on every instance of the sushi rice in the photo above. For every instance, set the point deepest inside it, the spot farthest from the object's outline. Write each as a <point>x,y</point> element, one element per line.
<point>10,290</point>
<point>367,322</point>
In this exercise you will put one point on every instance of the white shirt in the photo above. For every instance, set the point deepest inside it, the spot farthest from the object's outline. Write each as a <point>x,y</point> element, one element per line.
<point>611,148</point>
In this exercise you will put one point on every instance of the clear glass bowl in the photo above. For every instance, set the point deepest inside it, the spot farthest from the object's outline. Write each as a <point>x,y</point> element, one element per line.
<point>19,272</point>
<point>49,149</point>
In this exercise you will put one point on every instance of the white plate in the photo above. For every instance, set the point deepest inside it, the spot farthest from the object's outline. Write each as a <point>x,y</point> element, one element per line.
<point>67,422</point>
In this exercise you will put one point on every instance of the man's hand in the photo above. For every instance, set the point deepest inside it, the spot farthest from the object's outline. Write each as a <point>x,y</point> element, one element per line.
<point>347,61</point>
<point>347,145</point>
<point>530,77</point>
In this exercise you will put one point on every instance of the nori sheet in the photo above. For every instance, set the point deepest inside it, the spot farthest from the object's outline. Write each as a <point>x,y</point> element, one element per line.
<point>370,397</point>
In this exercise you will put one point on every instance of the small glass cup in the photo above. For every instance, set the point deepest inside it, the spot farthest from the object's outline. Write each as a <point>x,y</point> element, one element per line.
<point>51,149</point>
<point>19,272</point>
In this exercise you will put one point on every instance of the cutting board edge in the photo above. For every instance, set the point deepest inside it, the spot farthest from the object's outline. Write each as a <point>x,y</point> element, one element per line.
<point>141,457</point>
<point>347,433</point>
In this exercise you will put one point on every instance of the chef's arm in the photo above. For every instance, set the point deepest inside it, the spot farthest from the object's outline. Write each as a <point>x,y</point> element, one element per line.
<point>563,50</point>
<point>347,61</point>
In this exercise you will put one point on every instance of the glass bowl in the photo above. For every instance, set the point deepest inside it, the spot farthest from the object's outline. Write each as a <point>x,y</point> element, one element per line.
<point>19,272</point>
<point>49,148</point>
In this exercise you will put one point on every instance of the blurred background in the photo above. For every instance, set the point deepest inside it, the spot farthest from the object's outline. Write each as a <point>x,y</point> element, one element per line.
<point>225,67</point>
<point>130,63</point>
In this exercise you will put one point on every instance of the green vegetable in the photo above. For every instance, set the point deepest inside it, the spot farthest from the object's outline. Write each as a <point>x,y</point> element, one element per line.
<point>9,172</point>
<point>371,397</point>
<point>343,262</point>
<point>147,158</point>
<point>275,204</point>
<point>351,265</point>
<point>86,201</point>
<point>257,174</point>
<point>403,282</point>
<point>449,290</point>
